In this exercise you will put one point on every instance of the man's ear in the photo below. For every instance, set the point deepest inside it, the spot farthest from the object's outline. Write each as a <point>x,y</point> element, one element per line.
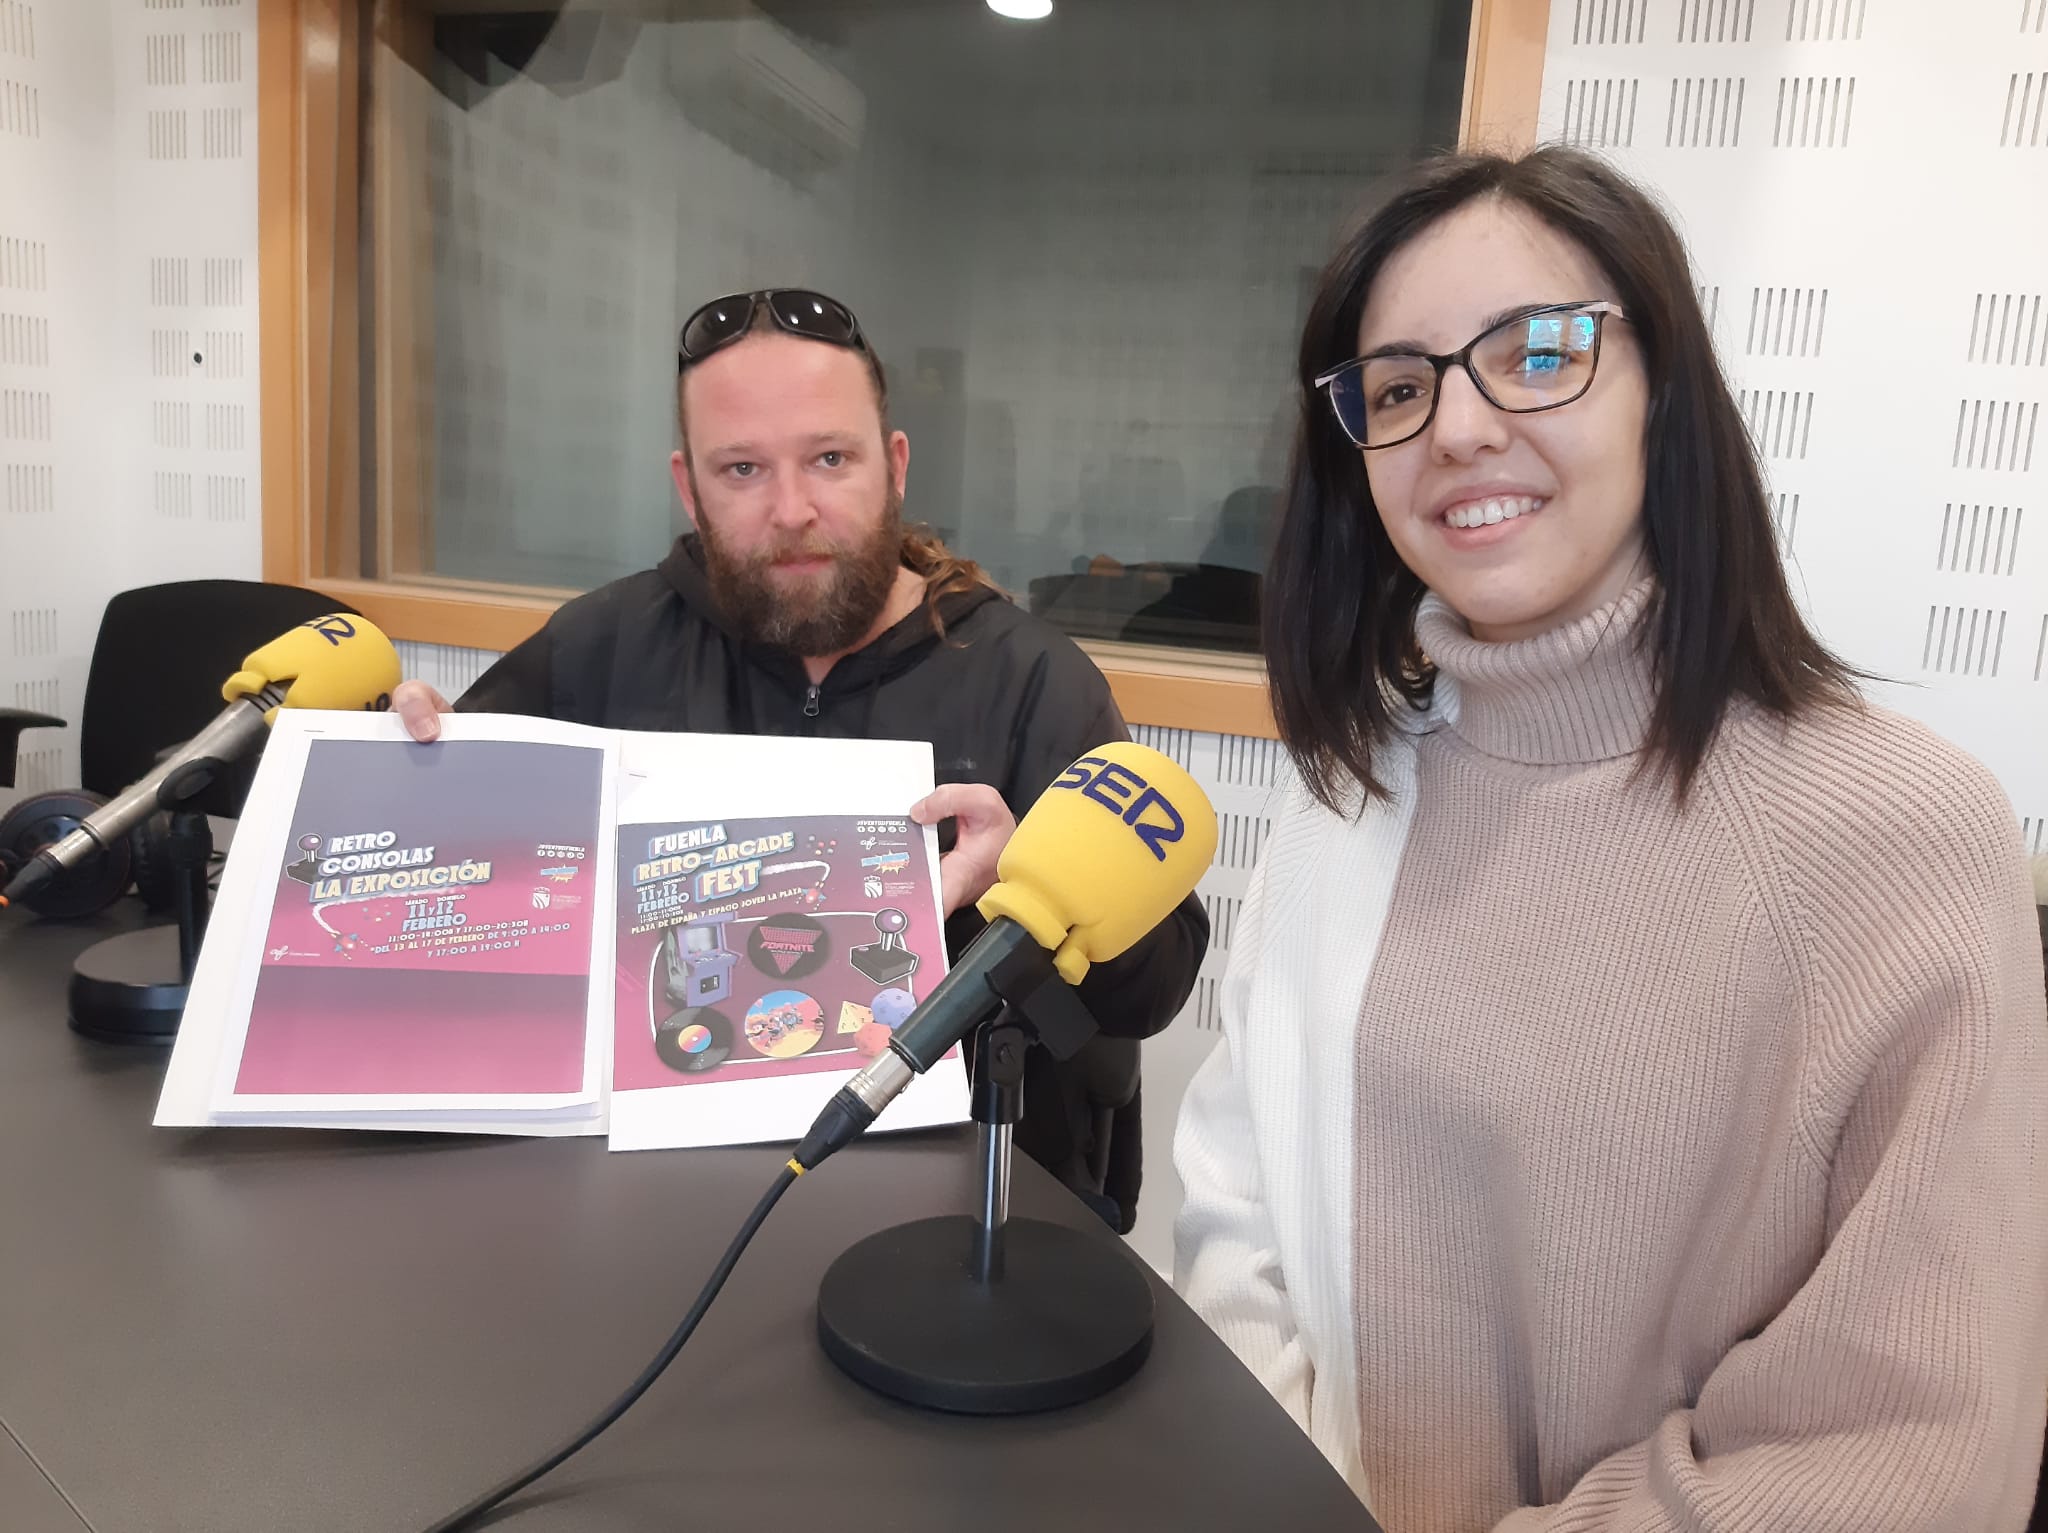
<point>899,460</point>
<point>686,491</point>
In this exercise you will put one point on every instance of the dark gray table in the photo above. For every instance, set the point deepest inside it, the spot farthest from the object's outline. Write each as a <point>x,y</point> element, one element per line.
<point>29,1503</point>
<point>248,1331</point>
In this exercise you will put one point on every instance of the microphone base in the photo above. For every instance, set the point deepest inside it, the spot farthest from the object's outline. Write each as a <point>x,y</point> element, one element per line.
<point>128,989</point>
<point>1069,1319</point>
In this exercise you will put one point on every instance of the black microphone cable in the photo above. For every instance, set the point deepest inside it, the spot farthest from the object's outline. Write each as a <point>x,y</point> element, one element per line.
<point>467,1517</point>
<point>844,1119</point>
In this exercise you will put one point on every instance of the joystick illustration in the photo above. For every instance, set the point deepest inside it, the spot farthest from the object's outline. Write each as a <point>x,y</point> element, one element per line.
<point>307,868</point>
<point>888,960</point>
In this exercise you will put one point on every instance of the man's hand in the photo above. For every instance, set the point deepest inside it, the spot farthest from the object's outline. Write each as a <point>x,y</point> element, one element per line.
<point>984,826</point>
<point>420,707</point>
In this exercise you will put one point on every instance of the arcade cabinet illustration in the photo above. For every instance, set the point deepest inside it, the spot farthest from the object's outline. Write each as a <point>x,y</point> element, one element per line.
<point>888,960</point>
<point>698,965</point>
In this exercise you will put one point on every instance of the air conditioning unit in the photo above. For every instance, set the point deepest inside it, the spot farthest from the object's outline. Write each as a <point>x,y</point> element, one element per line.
<point>757,89</point>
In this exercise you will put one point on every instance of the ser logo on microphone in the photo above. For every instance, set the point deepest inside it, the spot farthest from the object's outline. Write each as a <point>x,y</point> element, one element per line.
<point>1128,796</point>
<point>333,628</point>
<point>336,628</point>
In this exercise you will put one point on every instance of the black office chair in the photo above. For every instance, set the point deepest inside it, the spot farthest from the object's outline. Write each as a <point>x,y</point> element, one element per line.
<point>12,722</point>
<point>157,667</point>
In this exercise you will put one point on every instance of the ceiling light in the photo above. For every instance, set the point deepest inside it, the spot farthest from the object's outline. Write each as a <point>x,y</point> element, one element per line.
<point>1022,10</point>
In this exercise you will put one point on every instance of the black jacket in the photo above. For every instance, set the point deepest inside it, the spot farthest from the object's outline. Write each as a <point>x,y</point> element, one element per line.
<point>1003,698</point>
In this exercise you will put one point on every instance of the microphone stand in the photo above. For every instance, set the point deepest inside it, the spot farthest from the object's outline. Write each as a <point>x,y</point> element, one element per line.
<point>132,988</point>
<point>998,1107</point>
<point>983,1314</point>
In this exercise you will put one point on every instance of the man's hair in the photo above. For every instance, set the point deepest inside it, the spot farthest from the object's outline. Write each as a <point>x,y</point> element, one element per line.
<point>944,572</point>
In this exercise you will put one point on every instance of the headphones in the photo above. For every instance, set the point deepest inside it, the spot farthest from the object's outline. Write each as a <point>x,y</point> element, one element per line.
<point>140,860</point>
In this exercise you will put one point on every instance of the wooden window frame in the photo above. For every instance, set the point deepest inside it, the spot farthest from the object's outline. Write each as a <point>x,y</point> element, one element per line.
<point>309,62</point>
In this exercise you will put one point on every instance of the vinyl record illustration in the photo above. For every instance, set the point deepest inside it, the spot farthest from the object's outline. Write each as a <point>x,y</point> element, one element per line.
<point>693,1040</point>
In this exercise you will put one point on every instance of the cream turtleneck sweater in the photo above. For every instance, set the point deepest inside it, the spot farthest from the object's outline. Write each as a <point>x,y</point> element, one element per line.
<point>1577,1162</point>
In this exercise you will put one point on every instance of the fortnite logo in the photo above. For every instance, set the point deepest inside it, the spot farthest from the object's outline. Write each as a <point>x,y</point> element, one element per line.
<point>785,946</point>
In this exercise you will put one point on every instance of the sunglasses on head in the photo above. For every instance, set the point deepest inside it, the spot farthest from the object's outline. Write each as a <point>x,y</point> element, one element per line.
<point>795,310</point>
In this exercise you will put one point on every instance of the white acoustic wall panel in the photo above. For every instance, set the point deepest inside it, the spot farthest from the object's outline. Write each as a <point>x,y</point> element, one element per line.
<point>1242,778</point>
<point>56,102</point>
<point>446,669</point>
<point>128,325</point>
<point>187,337</point>
<point>1864,187</point>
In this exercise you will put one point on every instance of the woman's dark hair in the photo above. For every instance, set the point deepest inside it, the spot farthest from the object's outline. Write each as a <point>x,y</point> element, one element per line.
<point>1340,605</point>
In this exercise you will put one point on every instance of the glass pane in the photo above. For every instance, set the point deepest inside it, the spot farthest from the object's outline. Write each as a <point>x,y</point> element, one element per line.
<point>1083,247</point>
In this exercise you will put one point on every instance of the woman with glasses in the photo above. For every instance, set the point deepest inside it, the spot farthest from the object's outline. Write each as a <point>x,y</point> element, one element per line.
<point>1629,1109</point>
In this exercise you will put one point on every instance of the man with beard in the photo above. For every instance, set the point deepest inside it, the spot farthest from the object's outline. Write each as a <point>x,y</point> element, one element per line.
<point>802,605</point>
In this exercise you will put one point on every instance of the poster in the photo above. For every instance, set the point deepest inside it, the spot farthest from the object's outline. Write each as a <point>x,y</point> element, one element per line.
<point>430,927</point>
<point>462,936</point>
<point>751,949</point>
<point>762,958</point>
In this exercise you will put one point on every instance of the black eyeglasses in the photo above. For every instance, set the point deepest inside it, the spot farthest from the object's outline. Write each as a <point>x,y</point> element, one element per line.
<point>1536,360</point>
<point>794,309</point>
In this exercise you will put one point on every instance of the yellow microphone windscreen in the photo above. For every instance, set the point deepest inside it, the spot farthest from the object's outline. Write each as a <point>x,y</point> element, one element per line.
<point>339,661</point>
<point>1118,840</point>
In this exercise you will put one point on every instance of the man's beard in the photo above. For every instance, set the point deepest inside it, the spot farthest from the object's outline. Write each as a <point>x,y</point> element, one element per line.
<point>820,615</point>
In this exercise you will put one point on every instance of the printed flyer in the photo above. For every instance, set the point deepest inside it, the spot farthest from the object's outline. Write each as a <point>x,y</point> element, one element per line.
<point>408,935</point>
<point>756,948</point>
<point>530,927</point>
<point>762,958</point>
<point>430,933</point>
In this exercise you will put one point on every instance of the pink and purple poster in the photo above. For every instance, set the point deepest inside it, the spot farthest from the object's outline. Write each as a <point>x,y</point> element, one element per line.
<point>431,928</point>
<point>758,948</point>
